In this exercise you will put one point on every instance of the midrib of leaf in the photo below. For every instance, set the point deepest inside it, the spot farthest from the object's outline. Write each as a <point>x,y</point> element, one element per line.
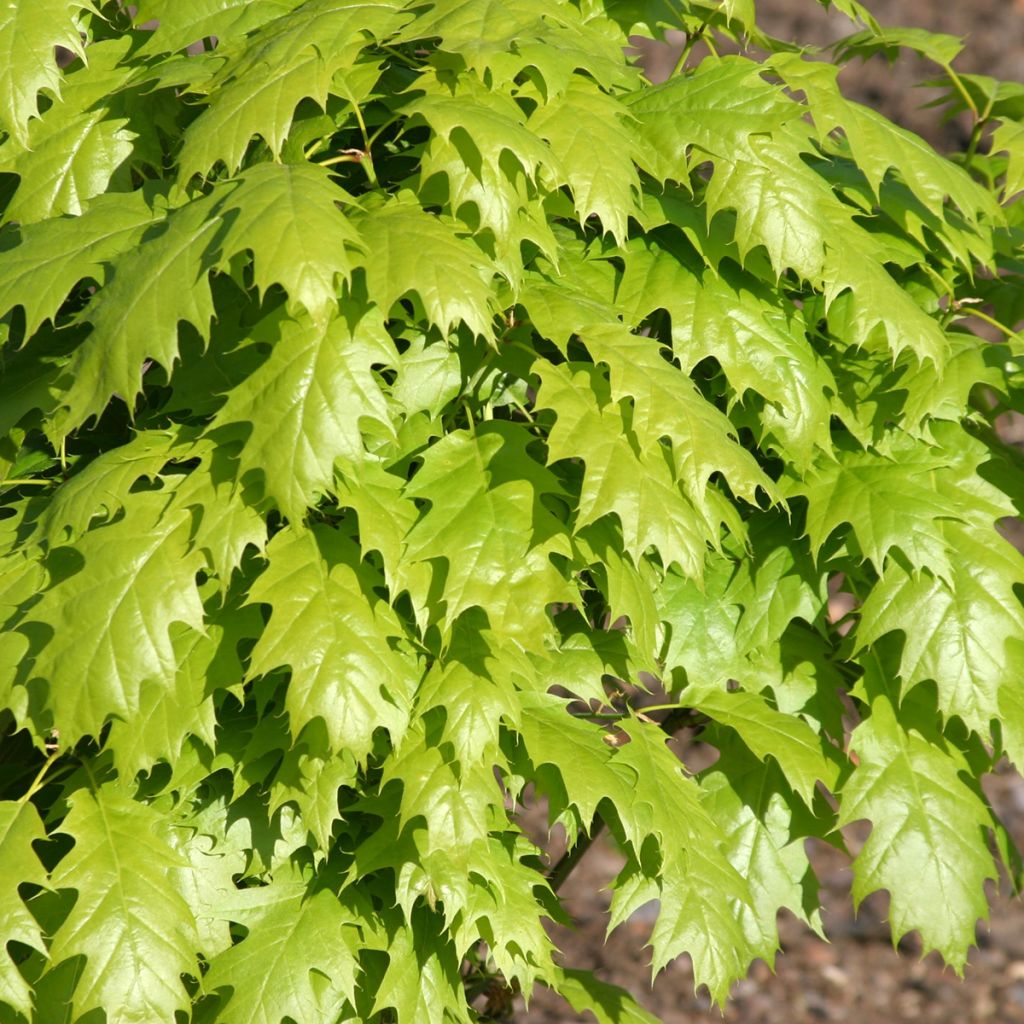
<point>280,959</point>
<point>118,872</point>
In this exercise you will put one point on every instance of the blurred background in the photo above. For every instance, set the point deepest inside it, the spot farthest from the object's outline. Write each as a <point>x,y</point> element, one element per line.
<point>857,976</point>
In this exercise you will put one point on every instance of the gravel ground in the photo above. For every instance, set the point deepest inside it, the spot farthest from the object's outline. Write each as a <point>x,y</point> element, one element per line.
<point>857,976</point>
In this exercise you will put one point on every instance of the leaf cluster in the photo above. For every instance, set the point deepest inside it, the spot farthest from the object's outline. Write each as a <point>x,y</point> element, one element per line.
<point>408,413</point>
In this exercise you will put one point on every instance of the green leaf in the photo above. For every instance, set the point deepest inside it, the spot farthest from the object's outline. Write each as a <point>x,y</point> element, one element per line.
<point>697,886</point>
<point>54,255</point>
<point>297,959</point>
<point>638,487</point>
<point>182,22</point>
<point>504,38</point>
<point>29,377</point>
<point>857,12</point>
<point>893,499</point>
<point>608,1003</point>
<point>206,878</point>
<point>485,485</point>
<point>135,931</point>
<point>101,488</point>
<point>75,151</point>
<point>924,845</point>
<point>765,731</point>
<point>877,145</point>
<point>290,59</point>
<point>20,827</point>
<point>749,130</point>
<point>287,215</point>
<point>702,621</point>
<point>513,906</point>
<point>715,110</point>
<point>960,632</point>
<point>312,783</point>
<point>410,414</point>
<point>758,345</point>
<point>1009,138</point>
<point>170,715</point>
<point>667,405</point>
<point>491,119</point>
<point>324,625</point>
<point>21,574</point>
<point>422,981</point>
<point>225,537</point>
<point>102,628</point>
<point>584,772</point>
<point>643,17</point>
<point>419,252</point>
<point>429,377</point>
<point>474,685</point>
<point>28,36</point>
<point>763,825</point>
<point>780,583</point>
<point>936,46</point>
<point>630,591</point>
<point>308,403</point>
<point>101,147</point>
<point>136,314</point>
<point>456,816</point>
<point>576,124</point>
<point>386,514</point>
<point>449,811</point>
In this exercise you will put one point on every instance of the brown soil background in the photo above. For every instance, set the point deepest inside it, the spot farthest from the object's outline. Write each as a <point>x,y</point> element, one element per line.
<point>857,976</point>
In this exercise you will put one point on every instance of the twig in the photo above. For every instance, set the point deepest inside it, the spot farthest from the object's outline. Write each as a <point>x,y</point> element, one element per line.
<point>565,864</point>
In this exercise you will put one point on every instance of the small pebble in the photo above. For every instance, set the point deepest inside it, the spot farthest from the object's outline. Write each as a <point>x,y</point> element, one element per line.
<point>1016,994</point>
<point>835,975</point>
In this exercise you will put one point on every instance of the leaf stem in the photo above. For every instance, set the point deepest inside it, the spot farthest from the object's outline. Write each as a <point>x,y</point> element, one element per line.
<point>966,312</point>
<point>37,782</point>
<point>349,156</point>
<point>961,88</point>
<point>367,156</point>
<point>524,410</point>
<point>691,39</point>
<point>383,127</point>
<point>515,343</point>
<point>398,55</point>
<point>486,364</point>
<point>660,707</point>
<point>315,148</point>
<point>977,131</point>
